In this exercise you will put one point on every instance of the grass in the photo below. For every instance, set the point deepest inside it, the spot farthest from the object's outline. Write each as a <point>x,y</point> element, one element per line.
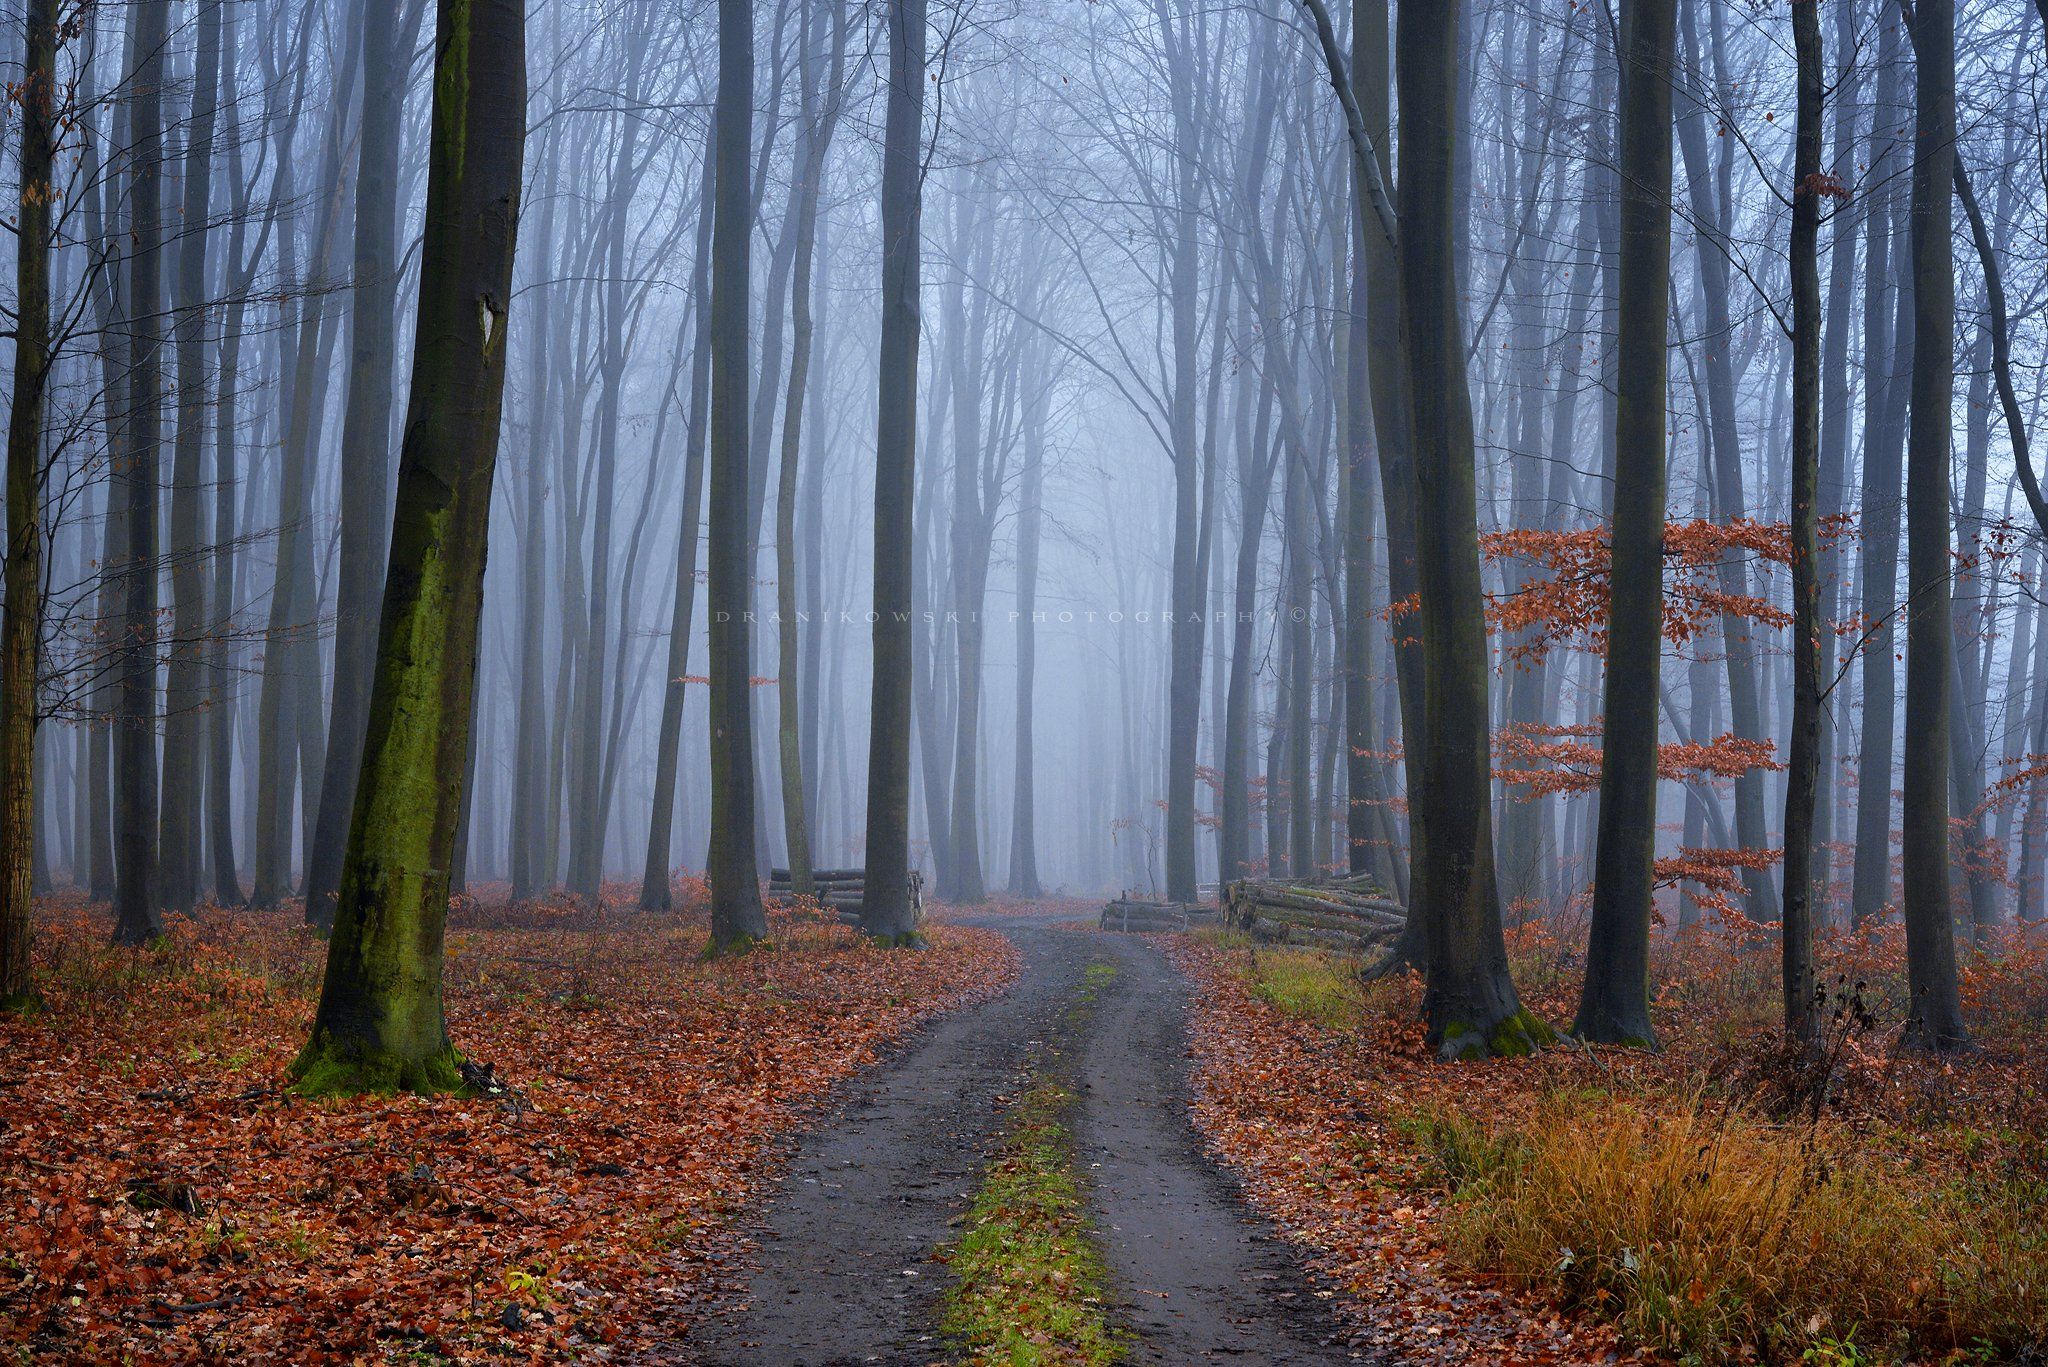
<point>1030,1285</point>
<point>1325,988</point>
<point>1715,1235</point>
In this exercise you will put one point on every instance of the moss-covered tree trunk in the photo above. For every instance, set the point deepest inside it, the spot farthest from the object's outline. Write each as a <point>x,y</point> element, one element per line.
<point>21,623</point>
<point>886,910</point>
<point>736,916</point>
<point>1472,1007</point>
<point>1614,1007</point>
<point>1937,1017</point>
<point>380,1024</point>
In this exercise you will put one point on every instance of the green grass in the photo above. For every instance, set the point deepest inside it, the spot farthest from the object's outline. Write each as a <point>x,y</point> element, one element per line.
<point>1029,1282</point>
<point>1311,984</point>
<point>1030,1286</point>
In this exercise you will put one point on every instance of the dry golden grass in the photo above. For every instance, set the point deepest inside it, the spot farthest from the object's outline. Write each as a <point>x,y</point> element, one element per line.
<point>1715,1235</point>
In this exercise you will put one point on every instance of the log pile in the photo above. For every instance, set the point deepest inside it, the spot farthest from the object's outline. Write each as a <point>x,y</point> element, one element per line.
<point>844,892</point>
<point>1350,915</point>
<point>1136,914</point>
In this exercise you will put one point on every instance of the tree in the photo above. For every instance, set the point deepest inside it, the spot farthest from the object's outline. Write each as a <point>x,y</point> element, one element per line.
<point>21,616</point>
<point>1801,788</point>
<point>654,889</point>
<point>135,774</point>
<point>365,425</point>
<point>814,140</point>
<point>1936,1022</point>
<point>1887,351</point>
<point>885,910</point>
<point>1368,122</point>
<point>379,1025</point>
<point>1614,1006</point>
<point>736,916</point>
<point>184,721</point>
<point>1030,530</point>
<point>1472,1007</point>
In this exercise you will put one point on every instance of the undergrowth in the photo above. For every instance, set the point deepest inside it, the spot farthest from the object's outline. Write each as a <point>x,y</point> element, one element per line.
<point>1326,988</point>
<point>1708,1232</point>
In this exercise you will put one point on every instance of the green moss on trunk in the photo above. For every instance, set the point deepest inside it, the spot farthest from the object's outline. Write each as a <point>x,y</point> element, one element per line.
<point>1518,1036</point>
<point>334,1067</point>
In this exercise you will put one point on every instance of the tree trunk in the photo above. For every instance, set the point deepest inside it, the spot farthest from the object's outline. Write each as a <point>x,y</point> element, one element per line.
<point>1834,436</point>
<point>1470,1001</point>
<point>136,896</point>
<point>379,1025</point>
<point>1889,303</point>
<point>1184,678</point>
<point>179,831</point>
<point>1937,1020</point>
<point>813,142</point>
<point>21,616</point>
<point>654,880</point>
<point>1808,630</point>
<point>1030,527</point>
<point>736,916</point>
<point>530,716</point>
<point>1614,1007</point>
<point>886,909</point>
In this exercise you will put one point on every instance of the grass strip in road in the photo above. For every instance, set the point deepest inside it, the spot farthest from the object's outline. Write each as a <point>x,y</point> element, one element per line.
<point>1030,1284</point>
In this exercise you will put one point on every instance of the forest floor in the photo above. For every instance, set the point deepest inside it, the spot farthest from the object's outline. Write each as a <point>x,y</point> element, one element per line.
<point>1716,1201</point>
<point>852,1267</point>
<point>1036,1143</point>
<point>164,1198</point>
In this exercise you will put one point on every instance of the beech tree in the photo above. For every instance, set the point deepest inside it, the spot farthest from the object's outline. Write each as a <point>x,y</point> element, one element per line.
<point>379,1025</point>
<point>1614,1007</point>
<point>885,909</point>
<point>736,915</point>
<point>21,616</point>
<point>1937,1021</point>
<point>1470,1001</point>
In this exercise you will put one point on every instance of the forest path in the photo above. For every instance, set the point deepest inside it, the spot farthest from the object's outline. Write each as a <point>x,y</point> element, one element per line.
<point>847,1273</point>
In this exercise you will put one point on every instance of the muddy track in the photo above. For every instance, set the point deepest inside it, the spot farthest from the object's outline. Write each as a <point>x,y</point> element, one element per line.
<point>846,1272</point>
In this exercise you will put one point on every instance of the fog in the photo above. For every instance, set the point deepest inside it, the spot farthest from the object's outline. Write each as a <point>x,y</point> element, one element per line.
<point>1140,418</point>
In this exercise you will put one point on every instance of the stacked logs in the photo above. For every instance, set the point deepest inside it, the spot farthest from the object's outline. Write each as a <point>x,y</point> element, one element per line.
<point>1350,915</point>
<point>844,891</point>
<point>1136,914</point>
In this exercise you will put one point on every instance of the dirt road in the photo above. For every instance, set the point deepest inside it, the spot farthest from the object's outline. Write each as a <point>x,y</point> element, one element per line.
<point>847,1271</point>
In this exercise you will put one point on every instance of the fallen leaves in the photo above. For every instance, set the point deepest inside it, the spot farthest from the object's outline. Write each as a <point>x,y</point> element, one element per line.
<point>166,1199</point>
<point>1310,1126</point>
<point>1315,1110</point>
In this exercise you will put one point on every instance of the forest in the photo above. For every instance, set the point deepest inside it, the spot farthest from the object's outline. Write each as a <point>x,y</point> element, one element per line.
<point>956,681</point>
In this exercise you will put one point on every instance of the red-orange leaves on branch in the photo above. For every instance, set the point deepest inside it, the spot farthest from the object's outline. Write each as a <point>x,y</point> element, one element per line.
<point>1566,602</point>
<point>1716,878</point>
<point>1542,761</point>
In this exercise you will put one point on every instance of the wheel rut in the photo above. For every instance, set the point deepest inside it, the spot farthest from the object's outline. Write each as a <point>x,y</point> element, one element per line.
<point>848,1273</point>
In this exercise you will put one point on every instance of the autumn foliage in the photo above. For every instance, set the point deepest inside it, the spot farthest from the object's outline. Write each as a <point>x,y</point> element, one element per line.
<point>1720,1199</point>
<point>1560,581</point>
<point>167,1199</point>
